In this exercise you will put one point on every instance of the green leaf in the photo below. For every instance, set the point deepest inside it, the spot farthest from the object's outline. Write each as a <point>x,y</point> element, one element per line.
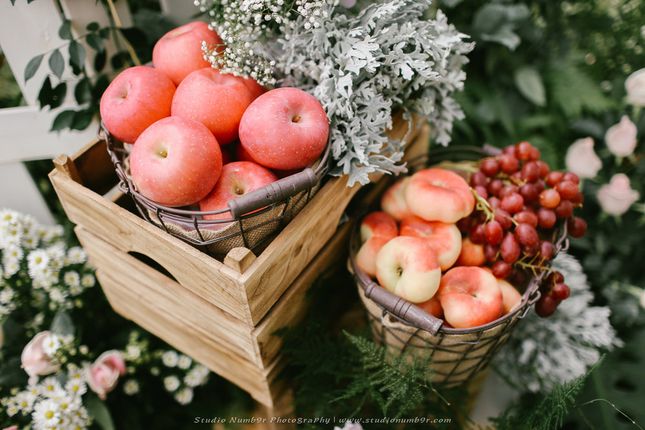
<point>105,32</point>
<point>573,91</point>
<point>62,324</point>
<point>63,120</point>
<point>76,54</point>
<point>93,26</point>
<point>95,42</point>
<point>45,93</point>
<point>100,60</point>
<point>529,83</point>
<point>56,63</point>
<point>99,412</point>
<point>83,91</point>
<point>65,30</point>
<point>32,66</point>
<point>58,95</point>
<point>82,119</point>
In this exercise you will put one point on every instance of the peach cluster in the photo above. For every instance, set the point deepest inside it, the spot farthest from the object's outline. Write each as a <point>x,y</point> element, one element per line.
<point>201,137</point>
<point>415,250</point>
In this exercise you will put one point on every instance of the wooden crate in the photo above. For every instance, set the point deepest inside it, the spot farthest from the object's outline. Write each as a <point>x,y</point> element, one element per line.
<point>222,313</point>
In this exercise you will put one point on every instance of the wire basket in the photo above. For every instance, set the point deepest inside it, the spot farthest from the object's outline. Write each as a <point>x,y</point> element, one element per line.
<point>250,220</point>
<point>454,356</point>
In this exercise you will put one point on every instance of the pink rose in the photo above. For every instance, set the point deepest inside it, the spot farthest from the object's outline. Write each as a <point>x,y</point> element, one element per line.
<point>617,196</point>
<point>635,87</point>
<point>621,137</point>
<point>35,360</point>
<point>103,375</point>
<point>582,160</point>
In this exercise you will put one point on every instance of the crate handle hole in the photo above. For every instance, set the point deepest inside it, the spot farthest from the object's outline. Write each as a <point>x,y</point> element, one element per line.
<point>152,264</point>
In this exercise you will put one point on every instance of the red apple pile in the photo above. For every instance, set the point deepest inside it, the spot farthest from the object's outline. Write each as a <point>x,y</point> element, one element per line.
<point>200,137</point>
<point>455,245</point>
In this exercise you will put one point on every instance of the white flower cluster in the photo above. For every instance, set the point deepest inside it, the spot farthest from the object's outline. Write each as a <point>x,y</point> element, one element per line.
<point>365,67</point>
<point>246,26</point>
<point>29,250</point>
<point>52,405</point>
<point>182,385</point>
<point>563,346</point>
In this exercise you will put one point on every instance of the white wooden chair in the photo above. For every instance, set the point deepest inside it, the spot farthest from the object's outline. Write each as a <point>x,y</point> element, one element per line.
<point>27,30</point>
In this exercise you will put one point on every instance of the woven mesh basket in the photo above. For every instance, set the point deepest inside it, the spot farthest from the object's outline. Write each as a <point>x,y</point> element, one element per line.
<point>455,356</point>
<point>250,220</point>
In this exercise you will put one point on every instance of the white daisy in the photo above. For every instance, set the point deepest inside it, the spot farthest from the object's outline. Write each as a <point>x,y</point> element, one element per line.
<point>184,396</point>
<point>88,280</point>
<point>184,362</point>
<point>51,344</point>
<point>49,387</point>
<point>57,295</point>
<point>131,387</point>
<point>171,383</point>
<point>25,401</point>
<point>76,255</point>
<point>6,295</point>
<point>46,414</point>
<point>132,352</point>
<point>72,279</point>
<point>169,358</point>
<point>37,262</point>
<point>10,268</point>
<point>193,378</point>
<point>76,387</point>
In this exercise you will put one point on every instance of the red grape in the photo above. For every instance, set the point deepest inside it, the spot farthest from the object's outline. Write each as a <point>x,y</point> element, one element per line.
<point>489,166</point>
<point>510,249</point>
<point>531,171</point>
<point>567,189</point>
<point>527,235</point>
<point>510,150</point>
<point>508,163</point>
<point>547,250</point>
<point>512,203</point>
<point>481,191</point>
<point>477,234</point>
<point>564,209</point>
<point>490,252</point>
<point>507,190</point>
<point>478,178</point>
<point>495,186</point>
<point>494,202</point>
<point>534,154</point>
<point>577,227</point>
<point>544,168</point>
<point>501,269</point>
<point>503,218</point>
<point>494,232</point>
<point>526,217</point>
<point>560,291</point>
<point>550,198</point>
<point>465,224</point>
<point>539,184</point>
<point>529,192</point>
<point>546,306</point>
<point>571,177</point>
<point>578,199</point>
<point>524,150</point>
<point>516,177</point>
<point>553,178</point>
<point>546,218</point>
<point>556,277</point>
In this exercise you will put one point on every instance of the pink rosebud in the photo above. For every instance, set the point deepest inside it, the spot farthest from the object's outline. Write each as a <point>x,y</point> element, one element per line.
<point>617,196</point>
<point>635,87</point>
<point>582,160</point>
<point>11,428</point>
<point>103,375</point>
<point>621,137</point>
<point>35,360</point>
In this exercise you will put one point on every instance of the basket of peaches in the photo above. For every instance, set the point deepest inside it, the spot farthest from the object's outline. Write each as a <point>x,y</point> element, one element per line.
<point>212,158</point>
<point>460,251</point>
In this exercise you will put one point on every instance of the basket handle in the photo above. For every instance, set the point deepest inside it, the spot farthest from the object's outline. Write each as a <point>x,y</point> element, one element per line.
<point>273,193</point>
<point>403,309</point>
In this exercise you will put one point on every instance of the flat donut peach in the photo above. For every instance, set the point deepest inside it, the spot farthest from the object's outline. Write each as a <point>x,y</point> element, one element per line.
<point>472,254</point>
<point>393,200</point>
<point>470,297</point>
<point>433,307</point>
<point>510,295</point>
<point>408,267</point>
<point>439,195</point>
<point>377,229</point>
<point>444,238</point>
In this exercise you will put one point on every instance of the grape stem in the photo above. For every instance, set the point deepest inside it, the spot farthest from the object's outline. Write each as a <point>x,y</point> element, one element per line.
<point>483,205</point>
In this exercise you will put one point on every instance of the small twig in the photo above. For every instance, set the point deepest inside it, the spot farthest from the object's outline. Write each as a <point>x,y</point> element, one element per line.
<point>615,408</point>
<point>118,24</point>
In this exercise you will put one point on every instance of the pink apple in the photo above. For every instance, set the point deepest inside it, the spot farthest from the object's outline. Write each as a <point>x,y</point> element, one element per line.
<point>179,52</point>
<point>445,239</point>
<point>216,100</point>
<point>238,178</point>
<point>393,200</point>
<point>510,296</point>
<point>256,89</point>
<point>175,162</point>
<point>408,267</point>
<point>285,129</point>
<point>241,154</point>
<point>136,98</point>
<point>470,297</point>
<point>377,229</point>
<point>437,194</point>
<point>472,254</point>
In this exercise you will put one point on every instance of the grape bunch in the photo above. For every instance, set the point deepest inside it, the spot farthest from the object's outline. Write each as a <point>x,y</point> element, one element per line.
<point>521,207</point>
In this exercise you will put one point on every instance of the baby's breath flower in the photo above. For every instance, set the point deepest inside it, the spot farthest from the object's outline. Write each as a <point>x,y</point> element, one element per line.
<point>184,396</point>
<point>169,358</point>
<point>88,280</point>
<point>184,362</point>
<point>72,279</point>
<point>131,387</point>
<point>171,383</point>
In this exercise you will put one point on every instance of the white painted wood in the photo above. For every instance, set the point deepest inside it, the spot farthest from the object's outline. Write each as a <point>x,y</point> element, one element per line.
<point>24,135</point>
<point>19,192</point>
<point>27,30</point>
<point>181,11</point>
